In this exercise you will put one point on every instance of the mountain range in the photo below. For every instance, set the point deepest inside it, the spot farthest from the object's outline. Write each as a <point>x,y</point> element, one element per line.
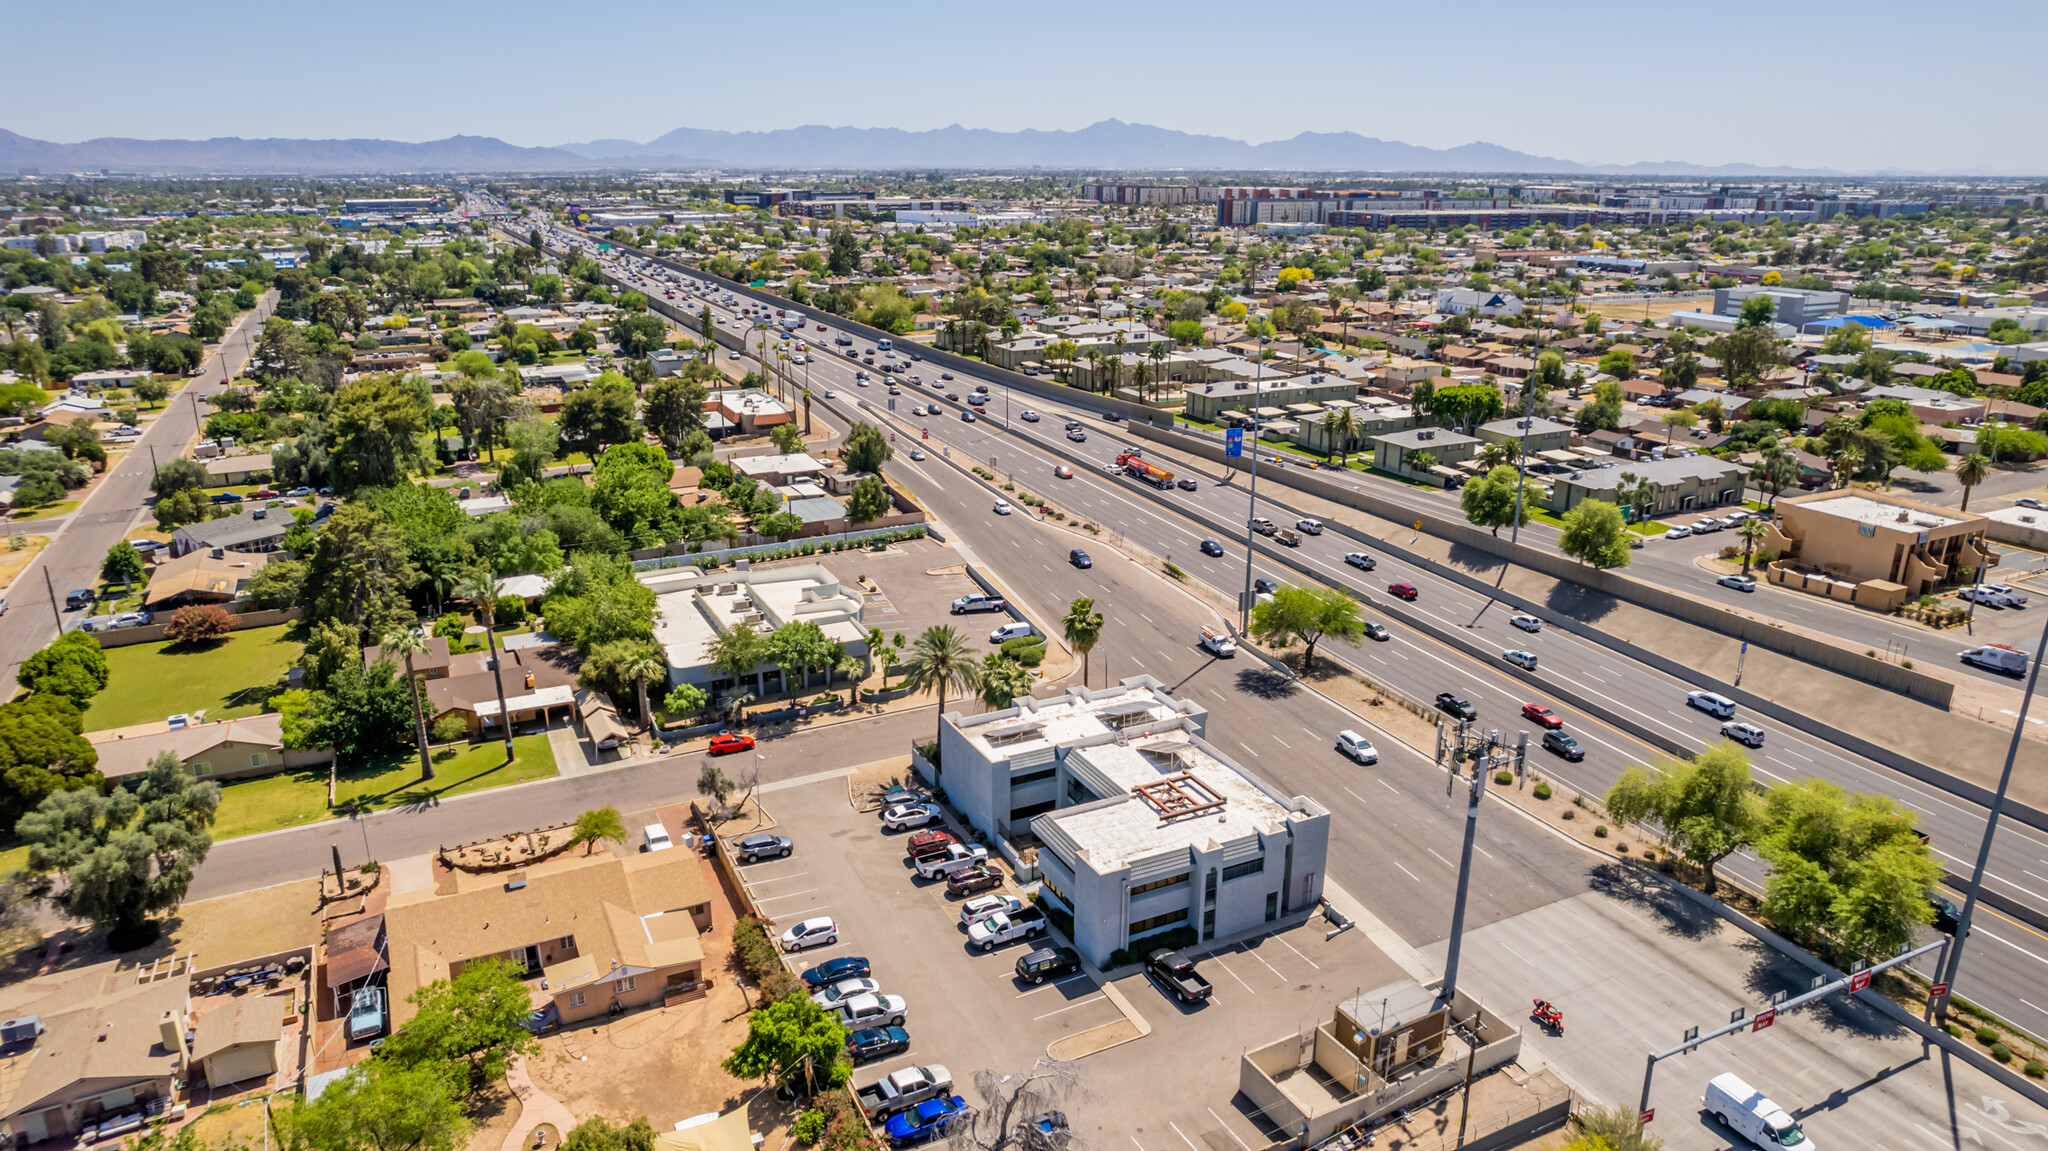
<point>1108,145</point>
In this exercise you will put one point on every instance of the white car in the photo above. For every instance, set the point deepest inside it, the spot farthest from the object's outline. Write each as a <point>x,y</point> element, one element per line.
<point>1678,533</point>
<point>844,990</point>
<point>1738,582</point>
<point>1357,747</point>
<point>810,933</point>
<point>1003,507</point>
<point>1528,623</point>
<point>1361,561</point>
<point>2008,591</point>
<point>1747,734</point>
<point>1526,660</point>
<point>907,815</point>
<point>1028,416</point>
<point>917,453</point>
<point>982,906</point>
<point>2031,502</point>
<point>830,394</point>
<point>1312,527</point>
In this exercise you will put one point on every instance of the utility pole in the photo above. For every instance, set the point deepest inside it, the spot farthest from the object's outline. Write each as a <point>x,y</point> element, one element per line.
<point>1244,603</point>
<point>59,616</point>
<point>1528,418</point>
<point>1486,754</point>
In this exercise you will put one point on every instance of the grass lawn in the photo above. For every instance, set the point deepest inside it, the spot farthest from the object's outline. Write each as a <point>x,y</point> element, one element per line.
<point>293,798</point>
<point>229,679</point>
<point>61,507</point>
<point>14,858</point>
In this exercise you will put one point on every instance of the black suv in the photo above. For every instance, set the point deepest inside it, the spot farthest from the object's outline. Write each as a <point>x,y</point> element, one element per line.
<point>78,598</point>
<point>1446,702</point>
<point>1047,961</point>
<point>1564,745</point>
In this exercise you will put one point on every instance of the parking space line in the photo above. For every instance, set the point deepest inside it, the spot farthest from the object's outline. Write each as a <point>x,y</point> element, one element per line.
<point>1183,1135</point>
<point>1262,959</point>
<point>1070,1007</point>
<point>752,882</point>
<point>1226,1127</point>
<point>790,895</point>
<point>1235,975</point>
<point>1050,986</point>
<point>1304,958</point>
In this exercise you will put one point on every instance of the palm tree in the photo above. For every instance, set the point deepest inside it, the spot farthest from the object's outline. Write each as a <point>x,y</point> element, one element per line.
<point>1846,460</point>
<point>646,663</point>
<point>1971,470</point>
<point>1340,427</point>
<point>1751,530</point>
<point>1002,681</point>
<point>1156,352</point>
<point>1082,626</point>
<point>480,590</point>
<point>408,642</point>
<point>940,660</point>
<point>807,408</point>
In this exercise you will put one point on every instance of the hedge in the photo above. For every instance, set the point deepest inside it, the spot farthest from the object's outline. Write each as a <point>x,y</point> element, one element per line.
<point>761,959</point>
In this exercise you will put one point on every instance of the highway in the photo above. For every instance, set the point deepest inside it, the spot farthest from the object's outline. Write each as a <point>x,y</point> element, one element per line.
<point>81,539</point>
<point>2008,962</point>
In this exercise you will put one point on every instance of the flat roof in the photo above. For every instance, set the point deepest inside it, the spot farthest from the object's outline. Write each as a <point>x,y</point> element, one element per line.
<point>1881,513</point>
<point>1069,718</point>
<point>1179,793</point>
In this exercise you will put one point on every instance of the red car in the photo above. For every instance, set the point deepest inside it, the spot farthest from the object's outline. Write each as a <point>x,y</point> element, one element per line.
<point>1543,715</point>
<point>727,744</point>
<point>1404,590</point>
<point>263,494</point>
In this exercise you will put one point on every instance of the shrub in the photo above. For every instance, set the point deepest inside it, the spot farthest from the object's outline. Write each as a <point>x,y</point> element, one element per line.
<point>1056,914</point>
<point>2036,1069</point>
<point>450,728</point>
<point>761,959</point>
<point>1175,571</point>
<point>1503,778</point>
<point>2001,1052</point>
<point>1987,1035</point>
<point>1540,791</point>
<point>508,609</point>
<point>1600,832</point>
<point>198,623</point>
<point>808,1128</point>
<point>1569,813</point>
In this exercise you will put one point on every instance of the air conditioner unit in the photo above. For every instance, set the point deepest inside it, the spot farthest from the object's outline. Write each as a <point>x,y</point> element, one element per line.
<point>22,1030</point>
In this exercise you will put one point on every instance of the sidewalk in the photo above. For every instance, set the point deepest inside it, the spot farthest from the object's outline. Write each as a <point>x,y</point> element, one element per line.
<point>535,1108</point>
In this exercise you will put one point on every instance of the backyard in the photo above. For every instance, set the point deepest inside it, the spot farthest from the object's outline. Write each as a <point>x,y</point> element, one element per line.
<point>227,679</point>
<point>293,798</point>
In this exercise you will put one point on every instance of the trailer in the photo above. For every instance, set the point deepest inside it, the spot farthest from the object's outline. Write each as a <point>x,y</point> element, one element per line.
<point>1134,465</point>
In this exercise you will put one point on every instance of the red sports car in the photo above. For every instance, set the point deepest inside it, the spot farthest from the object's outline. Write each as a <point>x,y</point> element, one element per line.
<point>727,744</point>
<point>1543,715</point>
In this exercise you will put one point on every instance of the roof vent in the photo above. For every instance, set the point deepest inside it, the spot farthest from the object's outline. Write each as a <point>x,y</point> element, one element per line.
<point>516,883</point>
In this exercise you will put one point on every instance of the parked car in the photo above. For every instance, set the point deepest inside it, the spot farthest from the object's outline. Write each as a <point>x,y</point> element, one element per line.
<point>956,857</point>
<point>1747,734</point>
<point>730,743</point>
<point>1176,973</point>
<point>969,880</point>
<point>983,906</point>
<point>1403,591</point>
<point>2008,591</point>
<point>908,815</point>
<point>927,1121</point>
<point>872,1011</point>
<point>1046,962</point>
<point>1559,743</point>
<point>1526,660</point>
<point>1678,533</point>
<point>1543,715</point>
<point>1361,561</point>
<point>78,598</point>
<point>1357,747</point>
<point>1450,704</point>
<point>875,1042</point>
<point>991,932</point>
<point>542,1020</point>
<point>835,970</point>
<point>1738,582</point>
<point>756,847</point>
<point>1528,623</point>
<point>979,602</point>
<point>930,842</point>
<point>834,994</point>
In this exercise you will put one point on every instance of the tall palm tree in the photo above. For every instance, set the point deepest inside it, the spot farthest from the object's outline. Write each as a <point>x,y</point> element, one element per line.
<point>407,642</point>
<point>1082,626</point>
<point>1971,470</point>
<point>646,663</point>
<point>1340,427</point>
<point>1846,460</point>
<point>807,409</point>
<point>1156,352</point>
<point>940,660</point>
<point>477,587</point>
<point>1751,530</point>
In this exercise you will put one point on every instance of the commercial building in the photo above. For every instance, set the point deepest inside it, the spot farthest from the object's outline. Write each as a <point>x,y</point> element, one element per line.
<point>1682,484</point>
<point>1140,826</point>
<point>1795,306</point>
<point>390,204</point>
<point>1856,537</point>
<point>1398,452</point>
<point>692,608</point>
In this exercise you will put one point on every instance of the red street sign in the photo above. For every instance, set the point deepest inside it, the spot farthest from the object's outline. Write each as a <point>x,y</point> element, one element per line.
<point>1937,991</point>
<point>1764,1019</point>
<point>1859,981</point>
<point>1648,1114</point>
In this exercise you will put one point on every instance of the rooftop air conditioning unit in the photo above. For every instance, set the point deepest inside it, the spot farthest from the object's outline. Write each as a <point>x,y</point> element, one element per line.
<point>22,1030</point>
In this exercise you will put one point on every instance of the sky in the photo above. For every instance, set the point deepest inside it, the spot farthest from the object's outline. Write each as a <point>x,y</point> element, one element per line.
<point>1791,82</point>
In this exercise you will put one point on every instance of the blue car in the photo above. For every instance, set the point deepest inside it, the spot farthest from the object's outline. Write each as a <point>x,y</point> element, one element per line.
<point>924,1122</point>
<point>834,970</point>
<point>1211,548</point>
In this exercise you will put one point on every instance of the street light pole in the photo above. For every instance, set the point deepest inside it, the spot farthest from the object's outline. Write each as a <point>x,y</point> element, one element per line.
<point>1528,419</point>
<point>1244,605</point>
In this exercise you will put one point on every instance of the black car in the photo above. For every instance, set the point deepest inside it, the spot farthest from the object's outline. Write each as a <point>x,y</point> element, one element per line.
<point>1947,916</point>
<point>969,880</point>
<point>1559,743</point>
<point>1451,704</point>
<point>875,1042</point>
<point>78,598</point>
<point>1048,961</point>
<point>1080,559</point>
<point>833,970</point>
<point>1211,548</point>
<point>1264,585</point>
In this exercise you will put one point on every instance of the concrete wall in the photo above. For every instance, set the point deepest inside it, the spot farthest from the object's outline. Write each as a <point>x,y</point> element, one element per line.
<point>154,632</point>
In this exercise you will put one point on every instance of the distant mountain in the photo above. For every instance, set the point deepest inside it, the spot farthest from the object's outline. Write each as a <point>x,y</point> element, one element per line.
<point>232,154</point>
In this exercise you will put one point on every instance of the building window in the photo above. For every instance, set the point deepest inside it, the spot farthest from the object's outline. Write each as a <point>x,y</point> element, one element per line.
<point>575,999</point>
<point>1272,906</point>
<point>1248,867</point>
<point>1159,883</point>
<point>1046,882</point>
<point>1158,921</point>
<point>566,942</point>
<point>627,984</point>
<point>202,768</point>
<point>259,759</point>
<point>1033,776</point>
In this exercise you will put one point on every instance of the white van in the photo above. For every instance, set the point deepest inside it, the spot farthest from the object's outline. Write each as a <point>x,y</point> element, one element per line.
<point>1009,631</point>
<point>1751,1114</point>
<point>1714,705</point>
<point>1998,657</point>
<point>657,837</point>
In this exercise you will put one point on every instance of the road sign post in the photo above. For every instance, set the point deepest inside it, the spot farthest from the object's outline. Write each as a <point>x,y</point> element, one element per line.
<point>1648,1114</point>
<point>1859,981</point>
<point>1764,1018</point>
<point>1233,444</point>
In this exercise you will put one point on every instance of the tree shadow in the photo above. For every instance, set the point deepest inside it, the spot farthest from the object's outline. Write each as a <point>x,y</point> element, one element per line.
<point>1475,560</point>
<point>1674,913</point>
<point>1772,971</point>
<point>1579,602</point>
<point>1264,683</point>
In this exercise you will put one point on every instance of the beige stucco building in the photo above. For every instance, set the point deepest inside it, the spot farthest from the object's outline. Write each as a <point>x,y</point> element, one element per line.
<point>1857,536</point>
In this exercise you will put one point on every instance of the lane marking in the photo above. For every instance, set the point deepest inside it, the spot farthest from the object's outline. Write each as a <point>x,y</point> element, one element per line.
<point>1404,870</point>
<point>1070,1007</point>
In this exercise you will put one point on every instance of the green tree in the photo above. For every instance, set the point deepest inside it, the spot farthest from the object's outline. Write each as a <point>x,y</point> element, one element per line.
<point>869,500</point>
<point>535,443</point>
<point>174,476</point>
<point>1774,472</point>
<point>800,646</point>
<point>1465,405</point>
<point>379,425</point>
<point>124,856</point>
<point>1003,680</point>
<point>685,699</point>
<point>42,751</point>
<point>1594,534</point>
<point>599,415</point>
<point>598,823</point>
<point>1971,470</point>
<point>474,1021</point>
<point>359,573</point>
<point>1703,806</point>
<point>674,408</point>
<point>780,526</point>
<point>636,334</point>
<point>1340,433</point>
<point>1845,865</point>
<point>1751,530</point>
<point>866,449</point>
<point>737,651</point>
<point>1489,500</point>
<point>1082,627</point>
<point>940,661</point>
<point>594,1134</point>
<point>790,1037</point>
<point>596,600</point>
<point>1759,311</point>
<point>1747,353</point>
<point>786,438</point>
<point>71,666</point>
<point>1619,363</point>
<point>377,1106</point>
<point>1308,614</point>
<point>633,496</point>
<point>405,642</point>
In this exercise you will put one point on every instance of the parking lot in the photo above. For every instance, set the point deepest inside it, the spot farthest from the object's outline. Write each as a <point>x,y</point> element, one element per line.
<point>907,596</point>
<point>968,1011</point>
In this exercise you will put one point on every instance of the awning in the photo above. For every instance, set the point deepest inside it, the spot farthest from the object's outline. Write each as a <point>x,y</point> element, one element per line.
<point>1559,456</point>
<point>728,1132</point>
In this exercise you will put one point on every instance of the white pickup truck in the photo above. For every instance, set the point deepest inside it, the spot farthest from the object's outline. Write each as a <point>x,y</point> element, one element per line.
<point>904,1088</point>
<point>1002,927</point>
<point>957,856</point>
<point>858,1011</point>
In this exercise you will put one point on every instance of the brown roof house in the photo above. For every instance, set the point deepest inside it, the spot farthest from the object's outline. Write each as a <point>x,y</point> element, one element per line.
<point>540,685</point>
<point>205,576</point>
<point>600,932</point>
<point>226,749</point>
<point>238,1041</point>
<point>89,1048</point>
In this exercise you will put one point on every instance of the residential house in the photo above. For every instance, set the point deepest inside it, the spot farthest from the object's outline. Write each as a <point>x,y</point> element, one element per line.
<point>88,1046</point>
<point>1535,436</point>
<point>224,749</point>
<point>1208,402</point>
<point>214,575</point>
<point>229,471</point>
<point>249,530</point>
<point>1477,302</point>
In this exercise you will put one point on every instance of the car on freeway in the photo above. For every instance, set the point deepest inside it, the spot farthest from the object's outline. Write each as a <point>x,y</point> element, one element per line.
<point>1402,591</point>
<point>1064,472</point>
<point>763,846</point>
<point>904,816</point>
<point>1678,533</point>
<point>982,906</point>
<point>875,1042</point>
<point>1746,734</point>
<point>1542,714</point>
<point>1080,559</point>
<point>1449,703</point>
<point>1738,582</point>
<point>1558,743</point>
<point>1048,961</point>
<point>810,933</point>
<point>1312,527</point>
<point>1187,485</point>
<point>830,394</point>
<point>971,879</point>
<point>1947,916</point>
<point>834,970</point>
<point>1003,508</point>
<point>1028,416</point>
<point>832,995</point>
<point>1357,747</point>
<point>1528,623</point>
<point>1361,561</point>
<point>1211,548</point>
<point>1378,631</point>
<point>1078,436</point>
<point>730,743</point>
<point>1264,586</point>
<point>966,416</point>
<point>917,453</point>
<point>945,375</point>
<point>1526,660</point>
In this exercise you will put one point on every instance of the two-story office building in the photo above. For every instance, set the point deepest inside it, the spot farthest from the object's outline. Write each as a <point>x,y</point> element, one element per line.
<point>1140,825</point>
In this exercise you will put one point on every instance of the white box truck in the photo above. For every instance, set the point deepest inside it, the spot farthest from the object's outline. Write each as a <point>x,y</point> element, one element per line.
<point>1750,1113</point>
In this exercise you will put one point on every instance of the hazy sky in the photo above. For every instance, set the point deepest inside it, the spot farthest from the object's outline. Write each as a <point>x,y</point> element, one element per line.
<point>1882,83</point>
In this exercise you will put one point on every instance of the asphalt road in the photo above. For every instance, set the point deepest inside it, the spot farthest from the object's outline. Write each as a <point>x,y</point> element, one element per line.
<point>80,542</point>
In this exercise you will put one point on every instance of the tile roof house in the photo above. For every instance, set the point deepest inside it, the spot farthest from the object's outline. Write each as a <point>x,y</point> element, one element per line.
<point>206,576</point>
<point>96,1045</point>
<point>226,749</point>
